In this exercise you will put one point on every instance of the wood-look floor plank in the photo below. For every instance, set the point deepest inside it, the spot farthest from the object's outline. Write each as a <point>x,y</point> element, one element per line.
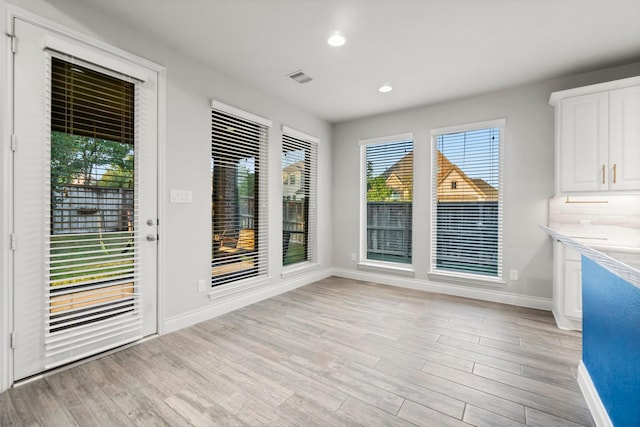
<point>566,380</point>
<point>465,353</point>
<point>141,405</point>
<point>479,417</point>
<point>573,397</point>
<point>548,362</point>
<point>541,419</point>
<point>335,352</point>
<point>368,415</point>
<point>433,400</point>
<point>88,404</point>
<point>361,390</point>
<point>8,414</point>
<point>423,416</point>
<point>458,391</point>
<point>36,404</point>
<point>544,402</point>
<point>198,411</point>
<point>302,385</point>
<point>303,412</point>
<point>252,411</point>
<point>558,352</point>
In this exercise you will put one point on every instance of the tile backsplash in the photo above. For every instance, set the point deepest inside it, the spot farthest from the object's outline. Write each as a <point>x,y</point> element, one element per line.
<point>618,210</point>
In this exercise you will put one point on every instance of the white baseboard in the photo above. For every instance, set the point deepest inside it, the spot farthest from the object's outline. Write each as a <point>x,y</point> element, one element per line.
<point>598,411</point>
<point>236,300</point>
<point>492,295</point>
<point>565,323</point>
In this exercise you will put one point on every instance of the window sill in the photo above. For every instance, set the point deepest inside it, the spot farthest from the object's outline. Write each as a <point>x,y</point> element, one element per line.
<point>386,267</point>
<point>297,269</point>
<point>469,279</point>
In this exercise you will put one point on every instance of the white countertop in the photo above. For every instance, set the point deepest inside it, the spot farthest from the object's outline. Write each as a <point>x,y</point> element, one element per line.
<point>603,237</point>
<point>603,250</point>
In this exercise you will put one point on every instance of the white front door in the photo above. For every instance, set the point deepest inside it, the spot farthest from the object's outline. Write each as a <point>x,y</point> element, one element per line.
<point>85,200</point>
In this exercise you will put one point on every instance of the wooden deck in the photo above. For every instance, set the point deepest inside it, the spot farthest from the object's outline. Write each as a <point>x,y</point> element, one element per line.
<point>336,352</point>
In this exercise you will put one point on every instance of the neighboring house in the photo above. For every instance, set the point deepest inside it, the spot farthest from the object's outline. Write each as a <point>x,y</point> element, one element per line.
<point>455,186</point>
<point>293,181</point>
<point>399,178</point>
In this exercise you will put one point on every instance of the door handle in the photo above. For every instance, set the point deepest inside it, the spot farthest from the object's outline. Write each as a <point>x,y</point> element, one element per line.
<point>614,173</point>
<point>603,169</point>
<point>152,237</point>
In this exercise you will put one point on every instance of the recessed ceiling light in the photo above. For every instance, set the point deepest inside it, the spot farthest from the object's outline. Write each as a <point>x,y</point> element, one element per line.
<point>336,39</point>
<point>385,88</point>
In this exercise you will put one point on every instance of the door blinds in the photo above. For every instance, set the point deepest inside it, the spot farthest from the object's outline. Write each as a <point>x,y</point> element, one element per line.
<point>93,262</point>
<point>239,195</point>
<point>388,169</point>
<point>467,203</point>
<point>299,193</point>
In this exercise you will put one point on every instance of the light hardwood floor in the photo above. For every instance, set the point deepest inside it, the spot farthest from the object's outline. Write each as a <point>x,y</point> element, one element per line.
<point>336,352</point>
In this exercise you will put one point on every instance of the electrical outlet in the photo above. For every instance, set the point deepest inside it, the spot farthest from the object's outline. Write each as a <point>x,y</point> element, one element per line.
<point>513,274</point>
<point>353,256</point>
<point>201,285</point>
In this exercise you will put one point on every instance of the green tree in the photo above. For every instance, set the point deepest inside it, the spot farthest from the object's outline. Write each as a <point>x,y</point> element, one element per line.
<point>118,177</point>
<point>377,189</point>
<point>81,158</point>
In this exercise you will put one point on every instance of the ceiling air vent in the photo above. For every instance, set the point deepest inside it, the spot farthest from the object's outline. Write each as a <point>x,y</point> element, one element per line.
<point>300,77</point>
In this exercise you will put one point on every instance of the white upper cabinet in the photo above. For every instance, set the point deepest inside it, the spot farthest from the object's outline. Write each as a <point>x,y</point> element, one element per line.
<point>598,137</point>
<point>584,136</point>
<point>624,138</point>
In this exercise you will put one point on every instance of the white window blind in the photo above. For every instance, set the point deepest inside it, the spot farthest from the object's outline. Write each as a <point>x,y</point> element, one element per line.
<point>93,255</point>
<point>299,195</point>
<point>387,177</point>
<point>466,224</point>
<point>239,195</point>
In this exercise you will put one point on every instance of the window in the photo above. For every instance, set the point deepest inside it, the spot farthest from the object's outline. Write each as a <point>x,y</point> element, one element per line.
<point>466,224</point>
<point>238,194</point>
<point>299,177</point>
<point>387,198</point>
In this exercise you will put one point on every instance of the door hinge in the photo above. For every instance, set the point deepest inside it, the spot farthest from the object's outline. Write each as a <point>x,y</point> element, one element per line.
<point>14,43</point>
<point>13,241</point>
<point>12,339</point>
<point>14,142</point>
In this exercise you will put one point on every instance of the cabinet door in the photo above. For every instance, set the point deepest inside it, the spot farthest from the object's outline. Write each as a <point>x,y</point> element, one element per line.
<point>624,138</point>
<point>584,140</point>
<point>573,289</point>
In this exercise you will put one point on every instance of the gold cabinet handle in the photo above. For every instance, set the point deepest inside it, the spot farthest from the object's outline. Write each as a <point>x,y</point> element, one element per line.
<point>614,173</point>
<point>603,174</point>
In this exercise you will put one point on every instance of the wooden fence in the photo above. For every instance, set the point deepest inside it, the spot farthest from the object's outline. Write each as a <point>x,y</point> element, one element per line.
<point>91,209</point>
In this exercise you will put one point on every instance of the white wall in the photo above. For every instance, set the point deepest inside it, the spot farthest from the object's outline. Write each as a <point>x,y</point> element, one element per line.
<point>528,183</point>
<point>186,228</point>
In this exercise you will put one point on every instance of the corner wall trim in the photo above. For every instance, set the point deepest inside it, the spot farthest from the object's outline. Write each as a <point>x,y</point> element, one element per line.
<point>598,411</point>
<point>234,301</point>
<point>491,295</point>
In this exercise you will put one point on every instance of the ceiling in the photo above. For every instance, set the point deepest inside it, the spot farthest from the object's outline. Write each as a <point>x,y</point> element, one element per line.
<point>428,50</point>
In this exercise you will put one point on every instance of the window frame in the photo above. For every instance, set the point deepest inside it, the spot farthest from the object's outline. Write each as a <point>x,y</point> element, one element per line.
<point>313,145</point>
<point>363,261</point>
<point>468,278</point>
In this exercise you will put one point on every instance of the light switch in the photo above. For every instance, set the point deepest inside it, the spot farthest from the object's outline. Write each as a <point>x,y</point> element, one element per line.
<point>180,196</point>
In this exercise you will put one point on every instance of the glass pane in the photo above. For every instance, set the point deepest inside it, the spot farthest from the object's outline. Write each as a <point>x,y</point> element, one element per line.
<point>467,225</point>
<point>389,201</point>
<point>91,242</point>
<point>295,203</point>
<point>235,170</point>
